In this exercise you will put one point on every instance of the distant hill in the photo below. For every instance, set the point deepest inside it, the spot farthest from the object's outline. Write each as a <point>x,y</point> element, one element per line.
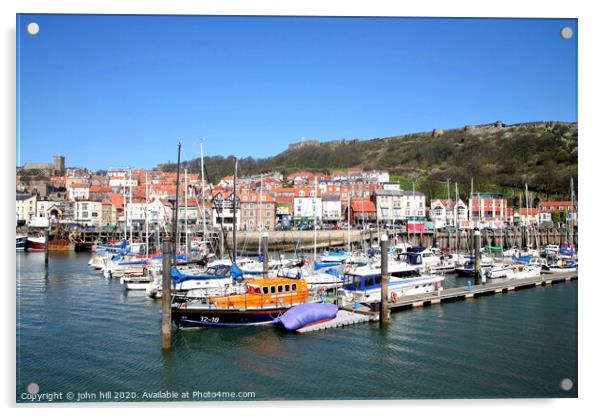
<point>499,157</point>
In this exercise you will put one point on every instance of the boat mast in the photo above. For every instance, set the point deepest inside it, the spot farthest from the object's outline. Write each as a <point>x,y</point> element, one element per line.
<point>348,217</point>
<point>260,222</point>
<point>413,211</point>
<point>203,193</point>
<point>131,208</point>
<point>470,202</point>
<point>315,201</point>
<point>186,212</point>
<point>456,220</point>
<point>146,212</point>
<point>125,216</point>
<point>177,207</point>
<point>448,204</point>
<point>528,221</point>
<point>572,208</point>
<point>234,212</point>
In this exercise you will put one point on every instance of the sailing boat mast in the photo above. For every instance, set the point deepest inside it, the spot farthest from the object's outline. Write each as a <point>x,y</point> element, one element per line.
<point>146,212</point>
<point>130,216</point>
<point>413,212</point>
<point>177,207</point>
<point>234,212</point>
<point>448,204</point>
<point>125,213</point>
<point>203,193</point>
<point>571,210</point>
<point>470,203</point>
<point>260,222</point>
<point>348,217</point>
<point>456,220</point>
<point>186,212</point>
<point>528,221</point>
<point>315,203</point>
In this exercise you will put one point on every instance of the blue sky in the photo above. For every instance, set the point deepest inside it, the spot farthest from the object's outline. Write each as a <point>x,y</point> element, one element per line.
<point>122,90</point>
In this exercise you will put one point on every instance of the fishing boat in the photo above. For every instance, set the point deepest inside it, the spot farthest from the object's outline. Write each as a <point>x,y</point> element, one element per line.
<point>262,301</point>
<point>36,243</point>
<point>61,244</point>
<point>364,283</point>
<point>21,242</point>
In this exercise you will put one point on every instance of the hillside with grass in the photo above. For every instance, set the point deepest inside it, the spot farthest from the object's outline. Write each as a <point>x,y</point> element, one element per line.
<point>499,158</point>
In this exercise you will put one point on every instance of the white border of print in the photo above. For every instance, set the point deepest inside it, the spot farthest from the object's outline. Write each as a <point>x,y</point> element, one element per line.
<point>589,131</point>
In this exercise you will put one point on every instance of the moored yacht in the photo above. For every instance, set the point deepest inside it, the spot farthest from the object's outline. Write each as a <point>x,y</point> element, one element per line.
<point>513,271</point>
<point>364,283</point>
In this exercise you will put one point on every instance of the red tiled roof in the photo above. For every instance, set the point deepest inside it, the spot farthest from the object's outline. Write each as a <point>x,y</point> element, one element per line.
<point>363,205</point>
<point>116,200</point>
<point>100,189</point>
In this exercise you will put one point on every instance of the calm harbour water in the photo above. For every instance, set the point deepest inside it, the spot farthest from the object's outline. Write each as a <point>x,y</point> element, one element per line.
<point>78,332</point>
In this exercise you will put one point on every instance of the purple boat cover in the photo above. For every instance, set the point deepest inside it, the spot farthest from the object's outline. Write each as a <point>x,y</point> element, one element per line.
<point>305,314</point>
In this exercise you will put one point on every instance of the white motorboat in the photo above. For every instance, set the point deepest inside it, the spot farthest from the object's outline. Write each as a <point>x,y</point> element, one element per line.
<point>137,282</point>
<point>364,283</point>
<point>315,280</point>
<point>513,271</point>
<point>560,265</point>
<point>334,256</point>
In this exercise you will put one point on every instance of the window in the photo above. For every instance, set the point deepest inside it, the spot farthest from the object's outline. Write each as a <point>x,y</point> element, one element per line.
<point>287,288</point>
<point>272,289</point>
<point>94,214</point>
<point>279,288</point>
<point>294,287</point>
<point>265,290</point>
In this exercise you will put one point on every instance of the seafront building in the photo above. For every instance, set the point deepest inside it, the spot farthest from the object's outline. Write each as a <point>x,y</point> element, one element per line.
<point>265,201</point>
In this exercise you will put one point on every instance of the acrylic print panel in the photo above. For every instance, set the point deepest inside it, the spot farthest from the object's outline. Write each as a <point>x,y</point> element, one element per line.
<point>204,204</point>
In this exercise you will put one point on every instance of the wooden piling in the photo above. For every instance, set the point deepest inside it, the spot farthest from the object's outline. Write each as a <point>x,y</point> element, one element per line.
<point>46,240</point>
<point>166,296</point>
<point>384,280</point>
<point>477,257</point>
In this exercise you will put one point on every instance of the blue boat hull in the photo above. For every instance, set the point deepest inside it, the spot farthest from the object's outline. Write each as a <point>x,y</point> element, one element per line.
<point>21,243</point>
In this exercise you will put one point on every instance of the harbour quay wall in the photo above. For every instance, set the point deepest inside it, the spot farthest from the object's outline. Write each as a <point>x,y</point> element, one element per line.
<point>304,240</point>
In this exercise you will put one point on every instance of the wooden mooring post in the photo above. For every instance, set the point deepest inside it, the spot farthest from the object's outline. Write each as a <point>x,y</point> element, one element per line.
<point>46,240</point>
<point>166,296</point>
<point>384,279</point>
<point>477,257</point>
